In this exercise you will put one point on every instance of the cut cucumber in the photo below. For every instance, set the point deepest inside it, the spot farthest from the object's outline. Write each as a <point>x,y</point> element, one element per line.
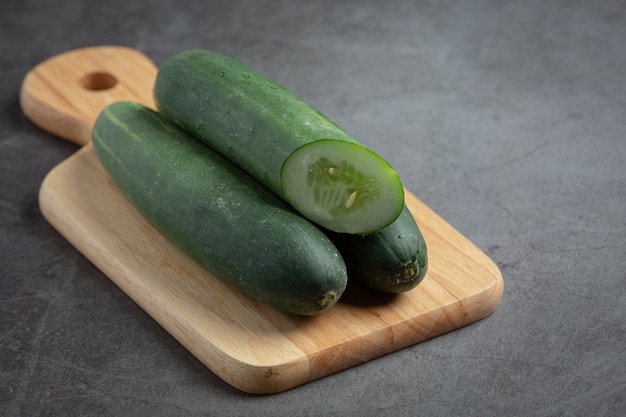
<point>268,131</point>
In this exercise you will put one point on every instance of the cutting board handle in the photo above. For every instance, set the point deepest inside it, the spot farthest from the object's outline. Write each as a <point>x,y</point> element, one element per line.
<point>65,94</point>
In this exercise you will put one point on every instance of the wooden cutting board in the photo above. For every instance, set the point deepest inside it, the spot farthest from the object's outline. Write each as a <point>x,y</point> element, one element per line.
<point>249,345</point>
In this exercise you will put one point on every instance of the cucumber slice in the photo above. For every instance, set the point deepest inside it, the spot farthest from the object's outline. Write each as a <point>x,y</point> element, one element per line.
<point>342,185</point>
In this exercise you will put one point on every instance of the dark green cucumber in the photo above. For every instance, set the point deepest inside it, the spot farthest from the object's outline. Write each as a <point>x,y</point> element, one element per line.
<point>279,139</point>
<point>392,260</point>
<point>221,217</point>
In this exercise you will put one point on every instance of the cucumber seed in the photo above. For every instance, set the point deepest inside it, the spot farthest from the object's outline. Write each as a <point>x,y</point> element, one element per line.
<point>351,199</point>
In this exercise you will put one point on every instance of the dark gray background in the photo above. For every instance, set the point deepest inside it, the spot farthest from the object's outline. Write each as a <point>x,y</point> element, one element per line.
<point>508,118</point>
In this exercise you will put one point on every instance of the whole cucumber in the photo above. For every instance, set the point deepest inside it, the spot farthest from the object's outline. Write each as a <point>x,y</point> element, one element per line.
<point>392,260</point>
<point>216,213</point>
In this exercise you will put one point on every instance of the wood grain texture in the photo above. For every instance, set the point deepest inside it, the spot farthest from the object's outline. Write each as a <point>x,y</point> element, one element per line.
<point>249,345</point>
<point>65,93</point>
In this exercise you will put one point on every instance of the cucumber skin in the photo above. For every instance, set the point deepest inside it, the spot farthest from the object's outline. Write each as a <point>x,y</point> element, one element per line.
<point>252,120</point>
<point>218,215</point>
<point>383,260</point>
<point>192,88</point>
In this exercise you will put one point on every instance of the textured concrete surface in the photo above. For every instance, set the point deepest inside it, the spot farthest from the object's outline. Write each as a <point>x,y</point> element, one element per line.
<point>507,118</point>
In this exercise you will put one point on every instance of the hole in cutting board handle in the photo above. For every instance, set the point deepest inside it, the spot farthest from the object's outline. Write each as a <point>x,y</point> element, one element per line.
<point>98,81</point>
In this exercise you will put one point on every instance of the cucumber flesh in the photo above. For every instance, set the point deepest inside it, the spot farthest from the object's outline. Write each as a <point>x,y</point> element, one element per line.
<point>342,185</point>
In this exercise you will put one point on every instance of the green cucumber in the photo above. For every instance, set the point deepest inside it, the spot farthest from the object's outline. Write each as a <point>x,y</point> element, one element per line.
<point>283,142</point>
<point>392,260</point>
<point>221,217</point>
